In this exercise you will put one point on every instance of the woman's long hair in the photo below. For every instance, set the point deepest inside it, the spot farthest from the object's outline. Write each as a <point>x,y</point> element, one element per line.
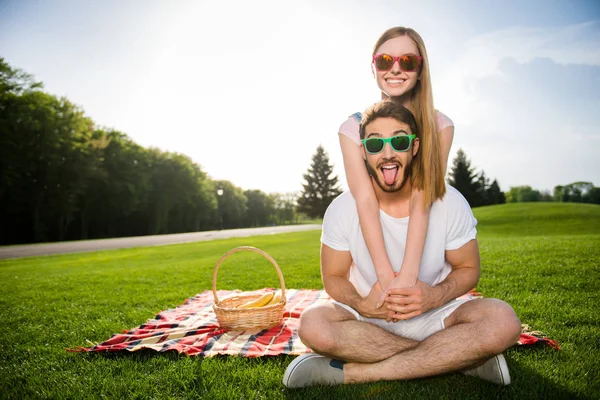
<point>427,174</point>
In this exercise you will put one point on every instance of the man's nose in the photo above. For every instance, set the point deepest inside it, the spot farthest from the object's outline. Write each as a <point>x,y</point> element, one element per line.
<point>388,152</point>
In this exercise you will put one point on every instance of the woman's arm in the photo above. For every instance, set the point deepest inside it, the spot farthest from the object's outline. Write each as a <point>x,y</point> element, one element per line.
<point>419,223</point>
<point>334,272</point>
<point>415,242</point>
<point>361,188</point>
<point>446,137</point>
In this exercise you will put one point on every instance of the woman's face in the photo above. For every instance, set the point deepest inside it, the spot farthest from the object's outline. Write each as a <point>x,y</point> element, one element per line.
<point>396,82</point>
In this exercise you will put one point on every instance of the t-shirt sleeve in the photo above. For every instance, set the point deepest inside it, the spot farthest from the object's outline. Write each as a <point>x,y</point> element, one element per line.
<point>335,233</point>
<point>460,223</point>
<point>350,128</point>
<point>443,121</point>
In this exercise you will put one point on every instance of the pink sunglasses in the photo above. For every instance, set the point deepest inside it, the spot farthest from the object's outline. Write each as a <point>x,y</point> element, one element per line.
<point>407,62</point>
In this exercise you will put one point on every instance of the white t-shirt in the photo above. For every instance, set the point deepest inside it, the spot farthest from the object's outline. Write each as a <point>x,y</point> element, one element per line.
<point>451,225</point>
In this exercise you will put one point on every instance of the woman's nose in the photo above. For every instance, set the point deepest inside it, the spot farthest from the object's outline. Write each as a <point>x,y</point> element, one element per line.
<point>396,67</point>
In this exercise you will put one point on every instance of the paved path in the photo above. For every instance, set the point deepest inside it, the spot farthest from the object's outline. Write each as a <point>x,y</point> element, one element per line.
<point>43,249</point>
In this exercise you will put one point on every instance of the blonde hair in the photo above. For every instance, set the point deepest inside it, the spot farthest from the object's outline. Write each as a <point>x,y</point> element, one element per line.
<point>427,174</point>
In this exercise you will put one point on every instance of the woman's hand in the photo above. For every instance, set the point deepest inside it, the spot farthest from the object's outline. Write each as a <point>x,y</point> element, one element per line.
<point>408,302</point>
<point>368,306</point>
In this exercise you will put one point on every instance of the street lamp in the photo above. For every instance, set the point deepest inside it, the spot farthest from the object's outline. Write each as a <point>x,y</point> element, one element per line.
<point>219,194</point>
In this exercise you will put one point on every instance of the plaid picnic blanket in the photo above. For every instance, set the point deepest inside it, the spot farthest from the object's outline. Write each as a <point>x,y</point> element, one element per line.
<point>193,329</point>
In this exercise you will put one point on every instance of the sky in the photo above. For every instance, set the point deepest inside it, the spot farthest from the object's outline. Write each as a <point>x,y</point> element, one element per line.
<point>248,90</point>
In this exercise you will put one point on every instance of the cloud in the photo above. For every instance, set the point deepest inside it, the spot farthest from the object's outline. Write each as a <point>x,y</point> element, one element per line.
<point>525,101</point>
<point>536,123</point>
<point>480,56</point>
<point>571,44</point>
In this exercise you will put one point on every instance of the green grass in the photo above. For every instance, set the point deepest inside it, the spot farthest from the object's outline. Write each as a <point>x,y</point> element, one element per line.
<point>541,258</point>
<point>539,219</point>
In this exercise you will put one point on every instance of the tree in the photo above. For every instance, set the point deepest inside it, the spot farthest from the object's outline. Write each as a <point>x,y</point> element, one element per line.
<point>320,188</point>
<point>545,196</point>
<point>233,205</point>
<point>285,207</point>
<point>204,199</point>
<point>74,167</point>
<point>520,194</point>
<point>21,111</point>
<point>261,208</point>
<point>482,185</point>
<point>476,188</point>
<point>190,200</point>
<point>494,194</point>
<point>63,178</point>
<point>48,158</point>
<point>594,195</point>
<point>463,179</point>
<point>560,194</point>
<point>577,192</point>
<point>174,188</point>
<point>93,197</point>
<point>15,81</point>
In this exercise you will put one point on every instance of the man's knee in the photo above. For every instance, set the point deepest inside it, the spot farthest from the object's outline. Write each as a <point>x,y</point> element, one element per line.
<point>497,321</point>
<point>504,327</point>
<point>511,322</point>
<point>314,329</point>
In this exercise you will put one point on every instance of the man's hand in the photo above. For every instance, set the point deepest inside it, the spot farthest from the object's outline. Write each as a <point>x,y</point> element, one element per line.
<point>400,281</point>
<point>368,305</point>
<point>408,302</point>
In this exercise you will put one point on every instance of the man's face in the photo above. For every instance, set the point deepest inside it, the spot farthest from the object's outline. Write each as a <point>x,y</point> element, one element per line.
<point>390,169</point>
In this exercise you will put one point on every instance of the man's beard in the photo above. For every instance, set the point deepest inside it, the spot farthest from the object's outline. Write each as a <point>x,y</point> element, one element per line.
<point>384,186</point>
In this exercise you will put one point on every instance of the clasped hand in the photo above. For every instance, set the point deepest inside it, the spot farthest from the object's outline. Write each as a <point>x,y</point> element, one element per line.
<point>399,303</point>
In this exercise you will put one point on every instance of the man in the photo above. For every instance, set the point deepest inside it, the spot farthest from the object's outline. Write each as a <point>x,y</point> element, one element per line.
<point>435,333</point>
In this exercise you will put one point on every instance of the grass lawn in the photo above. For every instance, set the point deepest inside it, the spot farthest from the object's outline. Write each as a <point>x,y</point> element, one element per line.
<point>544,259</point>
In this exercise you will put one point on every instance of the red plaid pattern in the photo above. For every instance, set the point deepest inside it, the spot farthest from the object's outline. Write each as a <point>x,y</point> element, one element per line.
<point>193,329</point>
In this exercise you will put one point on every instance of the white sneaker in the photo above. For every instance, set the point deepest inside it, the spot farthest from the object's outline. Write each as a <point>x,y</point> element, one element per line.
<point>313,369</point>
<point>493,370</point>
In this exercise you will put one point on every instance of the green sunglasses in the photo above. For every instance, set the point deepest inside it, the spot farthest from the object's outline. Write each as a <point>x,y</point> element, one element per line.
<point>399,143</point>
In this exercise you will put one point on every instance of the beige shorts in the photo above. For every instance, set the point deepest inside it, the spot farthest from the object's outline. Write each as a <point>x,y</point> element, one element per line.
<point>418,328</point>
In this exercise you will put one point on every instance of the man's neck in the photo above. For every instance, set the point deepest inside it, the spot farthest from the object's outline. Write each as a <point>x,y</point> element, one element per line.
<point>394,204</point>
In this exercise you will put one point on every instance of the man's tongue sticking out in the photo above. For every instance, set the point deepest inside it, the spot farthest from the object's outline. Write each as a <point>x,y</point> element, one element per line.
<point>389,174</point>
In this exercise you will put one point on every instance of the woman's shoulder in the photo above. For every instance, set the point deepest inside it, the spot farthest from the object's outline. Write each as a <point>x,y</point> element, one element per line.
<point>353,119</point>
<point>351,126</point>
<point>442,120</point>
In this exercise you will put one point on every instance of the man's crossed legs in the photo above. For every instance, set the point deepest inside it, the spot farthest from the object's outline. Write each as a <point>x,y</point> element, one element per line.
<point>460,336</point>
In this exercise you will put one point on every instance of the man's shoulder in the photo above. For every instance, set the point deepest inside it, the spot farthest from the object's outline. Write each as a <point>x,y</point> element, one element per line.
<point>460,224</point>
<point>342,207</point>
<point>344,198</point>
<point>338,221</point>
<point>454,198</point>
<point>344,201</point>
<point>453,193</point>
<point>453,205</point>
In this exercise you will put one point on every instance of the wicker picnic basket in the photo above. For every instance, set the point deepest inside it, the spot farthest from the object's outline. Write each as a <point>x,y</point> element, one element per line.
<point>232,318</point>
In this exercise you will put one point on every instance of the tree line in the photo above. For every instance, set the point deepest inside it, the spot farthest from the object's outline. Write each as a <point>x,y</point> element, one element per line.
<point>475,187</point>
<point>480,192</point>
<point>576,192</point>
<point>63,177</point>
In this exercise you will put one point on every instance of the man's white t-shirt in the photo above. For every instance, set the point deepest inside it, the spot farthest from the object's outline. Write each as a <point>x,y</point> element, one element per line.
<point>451,225</point>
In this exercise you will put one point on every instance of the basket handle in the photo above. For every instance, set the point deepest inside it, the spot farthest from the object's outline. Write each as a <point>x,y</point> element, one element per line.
<point>250,248</point>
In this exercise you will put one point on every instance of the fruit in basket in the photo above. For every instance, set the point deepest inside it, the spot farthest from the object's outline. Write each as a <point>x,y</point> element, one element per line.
<point>276,298</point>
<point>260,302</point>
